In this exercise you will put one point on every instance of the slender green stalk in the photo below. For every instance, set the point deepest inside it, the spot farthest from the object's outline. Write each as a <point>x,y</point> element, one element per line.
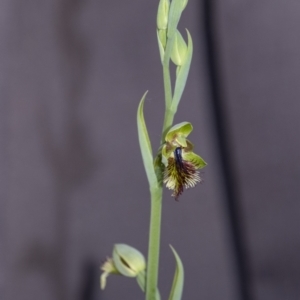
<point>154,242</point>
<point>156,203</point>
<point>168,121</point>
<point>167,84</point>
<point>156,192</point>
<point>129,261</point>
<point>169,114</point>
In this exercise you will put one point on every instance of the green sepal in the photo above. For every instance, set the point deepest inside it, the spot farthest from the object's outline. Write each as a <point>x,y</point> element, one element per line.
<point>179,132</point>
<point>145,145</point>
<point>197,160</point>
<point>178,281</point>
<point>179,49</point>
<point>141,280</point>
<point>182,74</point>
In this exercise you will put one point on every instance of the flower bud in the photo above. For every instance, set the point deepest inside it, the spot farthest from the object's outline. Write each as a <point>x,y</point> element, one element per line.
<point>163,14</point>
<point>128,261</point>
<point>179,50</point>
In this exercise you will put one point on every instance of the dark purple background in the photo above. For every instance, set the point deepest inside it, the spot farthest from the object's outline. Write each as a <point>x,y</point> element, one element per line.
<point>71,178</point>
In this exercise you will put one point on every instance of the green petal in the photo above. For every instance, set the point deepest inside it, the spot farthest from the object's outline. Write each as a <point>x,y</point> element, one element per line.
<point>181,140</point>
<point>177,287</point>
<point>189,146</point>
<point>195,159</point>
<point>167,150</point>
<point>103,280</point>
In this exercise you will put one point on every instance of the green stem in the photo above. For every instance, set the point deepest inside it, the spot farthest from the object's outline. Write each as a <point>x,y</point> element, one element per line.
<point>167,83</point>
<point>169,114</point>
<point>156,192</point>
<point>154,243</point>
<point>168,121</point>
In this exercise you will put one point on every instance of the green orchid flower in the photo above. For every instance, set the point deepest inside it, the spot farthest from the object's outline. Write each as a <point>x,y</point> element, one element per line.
<point>181,163</point>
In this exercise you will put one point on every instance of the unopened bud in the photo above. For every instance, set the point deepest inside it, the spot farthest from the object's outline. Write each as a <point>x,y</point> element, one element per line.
<point>163,14</point>
<point>179,50</point>
<point>128,261</point>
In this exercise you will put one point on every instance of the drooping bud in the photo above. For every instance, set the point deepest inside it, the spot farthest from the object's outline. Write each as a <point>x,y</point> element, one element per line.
<point>128,260</point>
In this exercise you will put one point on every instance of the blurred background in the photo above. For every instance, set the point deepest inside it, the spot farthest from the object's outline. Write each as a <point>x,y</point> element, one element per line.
<point>72,182</point>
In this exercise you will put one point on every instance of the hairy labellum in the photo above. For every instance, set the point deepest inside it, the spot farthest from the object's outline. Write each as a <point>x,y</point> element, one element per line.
<point>180,173</point>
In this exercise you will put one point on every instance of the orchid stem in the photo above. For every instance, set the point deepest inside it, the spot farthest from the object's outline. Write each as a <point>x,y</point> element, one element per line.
<point>157,192</point>
<point>154,243</point>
